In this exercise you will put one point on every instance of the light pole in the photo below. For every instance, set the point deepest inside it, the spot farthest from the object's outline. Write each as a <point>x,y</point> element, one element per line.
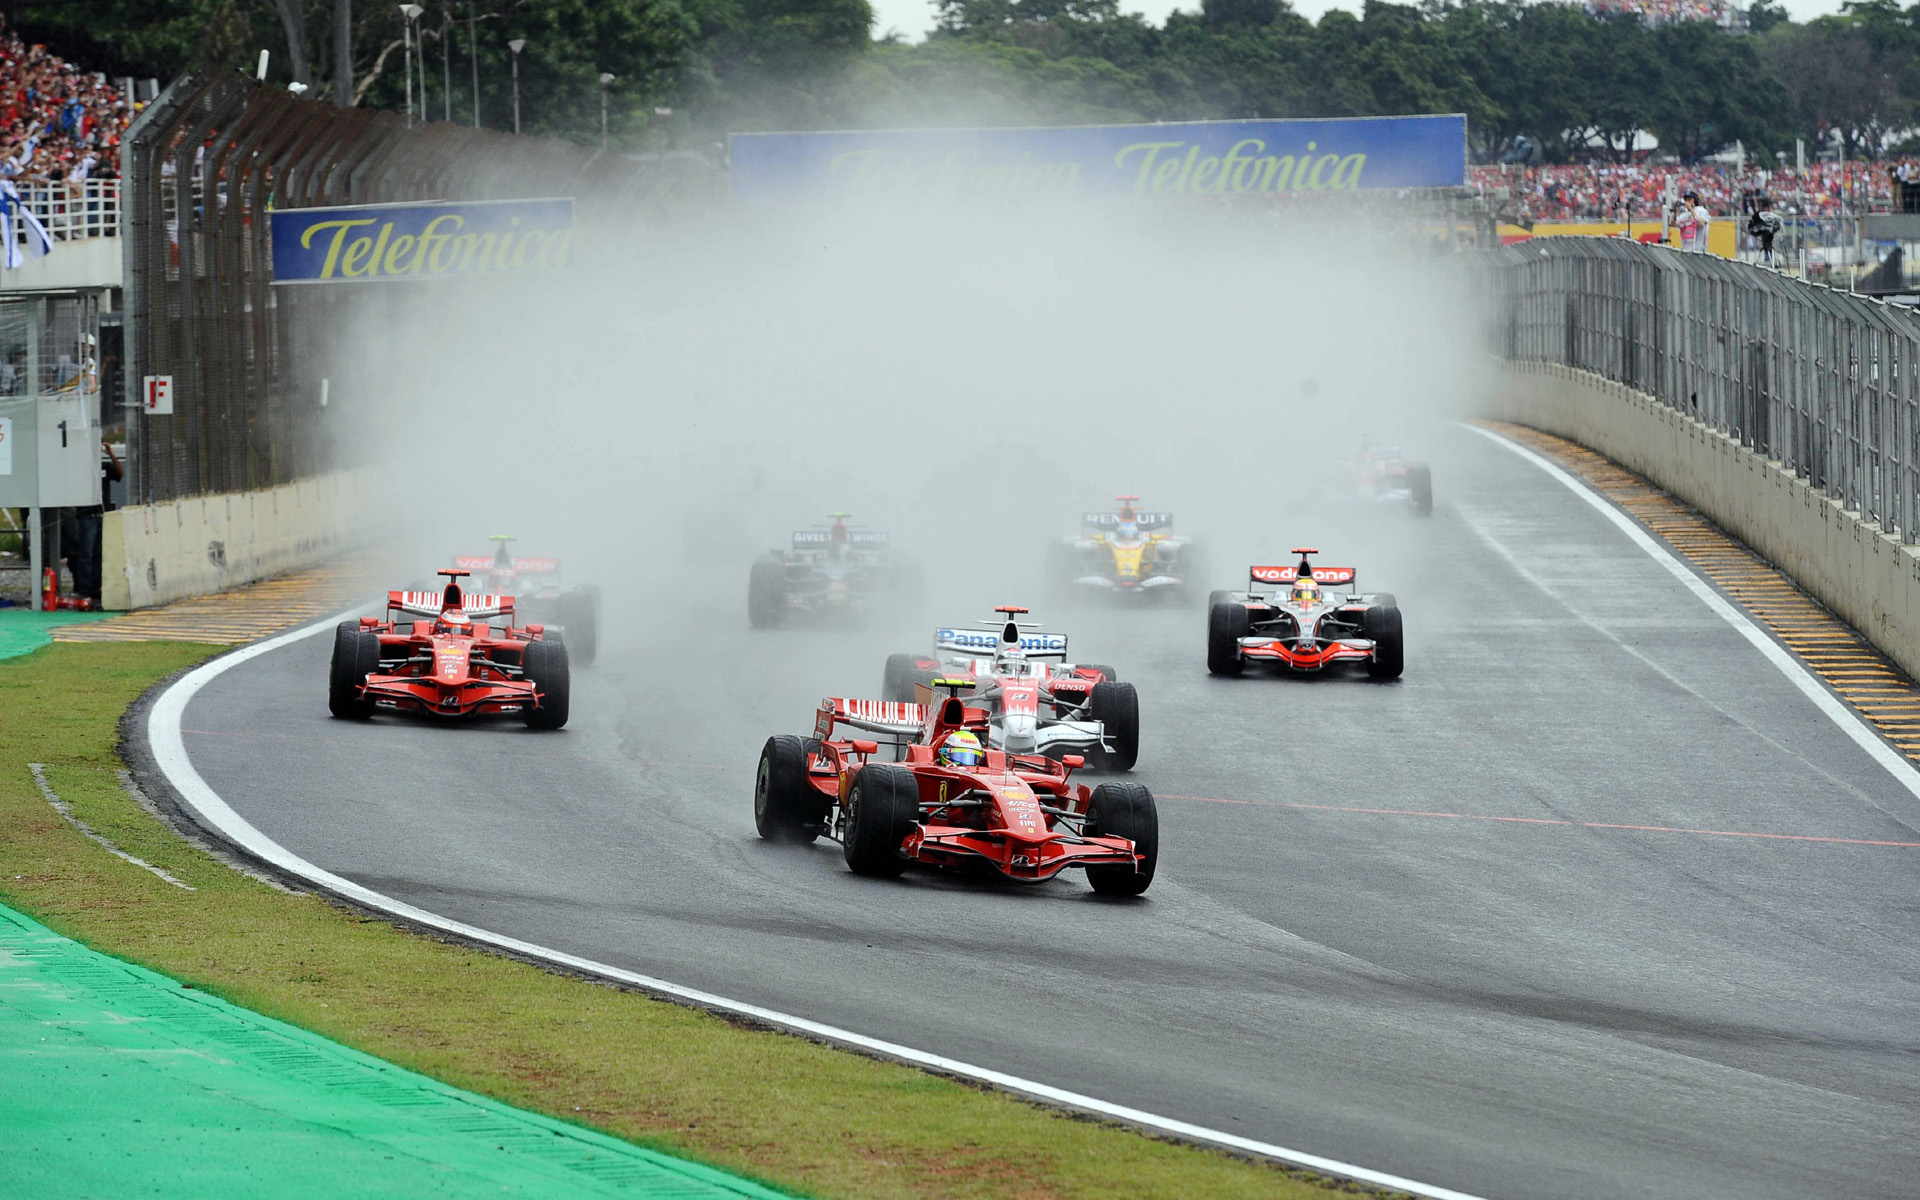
<point>473,49</point>
<point>408,12</point>
<point>516,45</point>
<point>446,60</point>
<point>605,79</point>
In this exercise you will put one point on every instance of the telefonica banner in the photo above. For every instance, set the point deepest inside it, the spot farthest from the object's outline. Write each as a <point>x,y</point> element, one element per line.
<point>360,242</point>
<point>1197,158</point>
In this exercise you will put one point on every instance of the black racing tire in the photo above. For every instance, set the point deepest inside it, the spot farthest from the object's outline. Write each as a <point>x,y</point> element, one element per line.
<point>786,808</point>
<point>1219,596</point>
<point>1420,489</point>
<point>902,672</point>
<point>1385,600</point>
<point>1226,624</point>
<point>1106,672</point>
<point>1117,707</point>
<point>1125,810</point>
<point>356,655</point>
<point>544,664</point>
<point>766,593</point>
<point>1382,624</point>
<point>882,807</point>
<point>580,617</point>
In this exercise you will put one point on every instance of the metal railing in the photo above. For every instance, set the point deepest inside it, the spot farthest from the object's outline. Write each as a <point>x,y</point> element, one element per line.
<point>1825,382</point>
<point>204,165</point>
<point>83,208</point>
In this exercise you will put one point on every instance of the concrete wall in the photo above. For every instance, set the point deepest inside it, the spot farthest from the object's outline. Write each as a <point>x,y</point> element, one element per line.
<point>80,265</point>
<point>1868,578</point>
<point>154,553</point>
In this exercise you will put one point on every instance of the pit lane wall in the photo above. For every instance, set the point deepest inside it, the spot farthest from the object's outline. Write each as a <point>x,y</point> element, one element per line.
<point>1864,575</point>
<point>154,553</point>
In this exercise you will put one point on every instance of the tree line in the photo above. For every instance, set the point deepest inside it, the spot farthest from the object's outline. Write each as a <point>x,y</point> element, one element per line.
<point>1551,76</point>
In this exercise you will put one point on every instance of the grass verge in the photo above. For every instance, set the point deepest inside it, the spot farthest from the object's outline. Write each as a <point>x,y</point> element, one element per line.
<point>795,1114</point>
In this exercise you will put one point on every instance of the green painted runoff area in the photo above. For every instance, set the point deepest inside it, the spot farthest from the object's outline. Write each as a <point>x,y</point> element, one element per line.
<point>117,1081</point>
<point>22,630</point>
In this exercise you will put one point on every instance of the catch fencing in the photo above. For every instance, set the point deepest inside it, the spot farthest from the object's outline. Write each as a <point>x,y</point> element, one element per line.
<point>1823,381</point>
<point>204,165</point>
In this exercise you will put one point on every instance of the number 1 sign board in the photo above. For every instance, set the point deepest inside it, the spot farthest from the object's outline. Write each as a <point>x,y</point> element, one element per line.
<point>158,395</point>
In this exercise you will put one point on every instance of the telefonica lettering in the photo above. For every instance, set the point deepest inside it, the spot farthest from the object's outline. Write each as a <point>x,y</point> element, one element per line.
<point>1169,168</point>
<point>354,249</point>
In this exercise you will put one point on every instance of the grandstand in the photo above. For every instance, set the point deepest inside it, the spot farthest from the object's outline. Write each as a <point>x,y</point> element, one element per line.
<point>1666,12</point>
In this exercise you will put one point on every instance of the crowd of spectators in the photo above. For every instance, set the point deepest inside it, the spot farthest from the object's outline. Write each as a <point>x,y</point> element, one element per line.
<point>1666,12</point>
<point>58,124</point>
<point>1612,192</point>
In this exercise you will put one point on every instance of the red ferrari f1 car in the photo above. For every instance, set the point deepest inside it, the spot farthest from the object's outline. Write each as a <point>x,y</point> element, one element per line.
<point>452,664</point>
<point>951,801</point>
<point>1302,624</point>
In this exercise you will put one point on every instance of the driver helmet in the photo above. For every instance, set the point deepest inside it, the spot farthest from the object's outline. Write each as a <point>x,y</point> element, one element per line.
<point>961,749</point>
<point>1129,531</point>
<point>1305,590</point>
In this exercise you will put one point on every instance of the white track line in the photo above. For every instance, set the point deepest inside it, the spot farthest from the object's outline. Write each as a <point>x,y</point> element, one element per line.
<point>1849,722</point>
<point>170,754</point>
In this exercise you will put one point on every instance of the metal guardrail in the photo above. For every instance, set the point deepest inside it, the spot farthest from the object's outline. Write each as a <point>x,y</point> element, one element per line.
<point>70,211</point>
<point>204,164</point>
<point>1823,381</point>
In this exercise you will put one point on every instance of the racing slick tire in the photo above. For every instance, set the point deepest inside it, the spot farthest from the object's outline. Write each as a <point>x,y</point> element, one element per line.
<point>1382,624</point>
<point>1124,810</point>
<point>1117,707</point>
<point>1106,672</point>
<point>896,682</point>
<point>785,808</point>
<point>580,618</point>
<point>544,664</point>
<point>882,807</point>
<point>356,655</point>
<point>1420,489</point>
<point>1226,625</point>
<point>766,593</point>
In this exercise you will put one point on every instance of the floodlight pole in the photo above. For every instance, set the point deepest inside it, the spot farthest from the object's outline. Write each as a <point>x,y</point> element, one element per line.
<point>605,79</point>
<point>473,48</point>
<point>516,45</point>
<point>446,60</point>
<point>409,13</point>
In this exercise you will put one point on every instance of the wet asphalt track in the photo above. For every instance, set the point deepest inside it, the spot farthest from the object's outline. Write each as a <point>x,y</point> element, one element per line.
<point>1509,1008</point>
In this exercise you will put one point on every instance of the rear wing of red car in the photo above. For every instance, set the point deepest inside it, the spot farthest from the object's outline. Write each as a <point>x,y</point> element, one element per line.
<point>871,716</point>
<point>1277,575</point>
<point>432,604</point>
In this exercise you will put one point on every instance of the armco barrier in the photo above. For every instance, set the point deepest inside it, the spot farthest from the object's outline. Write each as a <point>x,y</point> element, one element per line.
<point>1864,575</point>
<point>154,553</point>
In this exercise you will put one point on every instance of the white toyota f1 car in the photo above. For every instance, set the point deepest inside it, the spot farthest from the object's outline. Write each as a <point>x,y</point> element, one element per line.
<point>1303,624</point>
<point>1039,703</point>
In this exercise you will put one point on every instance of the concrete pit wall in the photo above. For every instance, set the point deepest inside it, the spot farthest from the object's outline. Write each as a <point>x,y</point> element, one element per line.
<point>1869,579</point>
<point>154,553</point>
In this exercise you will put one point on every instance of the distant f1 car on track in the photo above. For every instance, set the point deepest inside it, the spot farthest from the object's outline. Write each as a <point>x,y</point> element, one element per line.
<point>1035,706</point>
<point>1302,624</point>
<point>451,664</point>
<point>831,572</point>
<point>1127,552</point>
<point>1383,476</point>
<point>953,801</point>
<point>571,613</point>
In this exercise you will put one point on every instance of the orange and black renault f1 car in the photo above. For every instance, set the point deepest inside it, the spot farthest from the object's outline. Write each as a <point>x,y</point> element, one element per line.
<point>451,664</point>
<point>1303,624</point>
<point>1017,814</point>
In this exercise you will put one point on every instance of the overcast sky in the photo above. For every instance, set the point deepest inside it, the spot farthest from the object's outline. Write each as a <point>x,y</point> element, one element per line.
<point>915,17</point>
